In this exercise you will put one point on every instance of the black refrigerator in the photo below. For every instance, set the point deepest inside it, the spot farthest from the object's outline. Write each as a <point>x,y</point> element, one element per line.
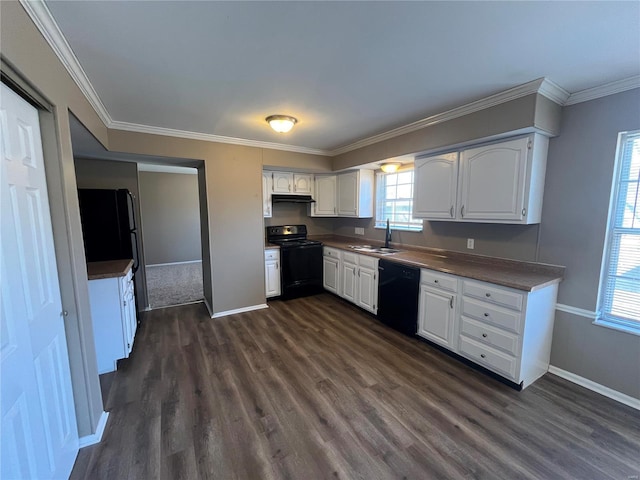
<point>109,225</point>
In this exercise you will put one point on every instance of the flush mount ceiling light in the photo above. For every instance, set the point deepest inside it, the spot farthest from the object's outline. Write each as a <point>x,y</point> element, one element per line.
<point>281,123</point>
<point>390,167</point>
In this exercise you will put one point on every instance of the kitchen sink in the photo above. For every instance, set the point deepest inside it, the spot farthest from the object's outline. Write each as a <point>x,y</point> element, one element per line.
<point>372,249</point>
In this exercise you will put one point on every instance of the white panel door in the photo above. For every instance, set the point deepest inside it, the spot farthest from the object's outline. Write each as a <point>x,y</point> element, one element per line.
<point>437,316</point>
<point>39,432</point>
<point>330,274</point>
<point>348,281</point>
<point>266,194</point>
<point>436,187</point>
<point>325,196</point>
<point>272,278</point>
<point>348,194</point>
<point>493,181</point>
<point>367,289</point>
<point>302,183</point>
<point>281,182</point>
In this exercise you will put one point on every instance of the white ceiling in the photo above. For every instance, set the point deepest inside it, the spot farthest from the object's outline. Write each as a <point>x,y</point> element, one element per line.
<point>346,70</point>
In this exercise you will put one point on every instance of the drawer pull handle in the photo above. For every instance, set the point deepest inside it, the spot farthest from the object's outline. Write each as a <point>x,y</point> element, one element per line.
<point>484,335</point>
<point>487,294</point>
<point>483,355</point>
<point>486,314</point>
<point>435,281</point>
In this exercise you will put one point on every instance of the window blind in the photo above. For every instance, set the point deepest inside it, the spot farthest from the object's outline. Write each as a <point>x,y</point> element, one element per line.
<point>620,295</point>
<point>394,201</point>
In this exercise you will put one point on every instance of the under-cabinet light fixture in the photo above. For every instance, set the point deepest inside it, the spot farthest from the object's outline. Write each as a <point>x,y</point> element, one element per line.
<point>390,167</point>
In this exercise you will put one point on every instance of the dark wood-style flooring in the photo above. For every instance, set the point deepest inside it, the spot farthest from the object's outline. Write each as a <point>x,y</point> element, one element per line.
<point>314,388</point>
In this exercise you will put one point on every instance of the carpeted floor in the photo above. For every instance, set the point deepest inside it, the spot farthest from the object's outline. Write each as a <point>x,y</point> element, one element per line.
<point>174,284</point>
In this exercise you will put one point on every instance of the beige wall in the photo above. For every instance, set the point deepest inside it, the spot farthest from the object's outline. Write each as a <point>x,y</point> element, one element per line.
<point>169,203</point>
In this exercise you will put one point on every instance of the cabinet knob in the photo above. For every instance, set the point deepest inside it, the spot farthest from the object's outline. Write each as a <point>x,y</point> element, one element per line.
<point>487,294</point>
<point>435,281</point>
<point>64,313</point>
<point>483,355</point>
<point>484,335</point>
<point>486,314</point>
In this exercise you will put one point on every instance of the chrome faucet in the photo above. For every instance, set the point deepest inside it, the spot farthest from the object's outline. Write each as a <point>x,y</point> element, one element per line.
<point>387,237</point>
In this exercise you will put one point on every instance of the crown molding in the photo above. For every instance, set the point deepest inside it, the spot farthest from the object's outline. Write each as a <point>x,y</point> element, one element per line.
<point>541,85</point>
<point>170,132</point>
<point>44,21</point>
<point>604,90</point>
<point>46,24</point>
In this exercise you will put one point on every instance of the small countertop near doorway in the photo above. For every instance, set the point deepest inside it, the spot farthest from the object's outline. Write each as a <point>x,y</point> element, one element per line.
<point>108,269</point>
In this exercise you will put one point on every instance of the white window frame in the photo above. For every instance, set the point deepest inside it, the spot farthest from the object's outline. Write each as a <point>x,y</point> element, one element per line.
<point>414,225</point>
<point>605,318</point>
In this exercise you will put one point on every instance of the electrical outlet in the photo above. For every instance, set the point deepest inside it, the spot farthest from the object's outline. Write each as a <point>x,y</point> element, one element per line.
<point>359,231</point>
<point>471,243</point>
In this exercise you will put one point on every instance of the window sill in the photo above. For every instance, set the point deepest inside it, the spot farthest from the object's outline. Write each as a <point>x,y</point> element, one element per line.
<point>396,229</point>
<point>632,329</point>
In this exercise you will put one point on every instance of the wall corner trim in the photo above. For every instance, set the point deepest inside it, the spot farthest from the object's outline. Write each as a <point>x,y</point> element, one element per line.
<point>596,387</point>
<point>209,309</point>
<point>239,310</point>
<point>97,436</point>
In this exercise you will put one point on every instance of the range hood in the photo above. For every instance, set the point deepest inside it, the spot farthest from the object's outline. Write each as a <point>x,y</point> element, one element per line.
<point>292,199</point>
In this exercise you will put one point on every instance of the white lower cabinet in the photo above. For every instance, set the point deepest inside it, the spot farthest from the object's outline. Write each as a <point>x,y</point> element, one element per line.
<point>331,269</point>
<point>505,330</point>
<point>272,272</point>
<point>357,278</point>
<point>113,310</point>
<point>438,308</point>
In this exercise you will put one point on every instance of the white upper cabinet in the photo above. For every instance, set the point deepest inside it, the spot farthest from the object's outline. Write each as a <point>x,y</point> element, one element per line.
<point>436,180</point>
<point>325,196</point>
<point>282,182</point>
<point>266,194</point>
<point>291,183</point>
<point>502,182</point>
<point>302,183</point>
<point>355,194</point>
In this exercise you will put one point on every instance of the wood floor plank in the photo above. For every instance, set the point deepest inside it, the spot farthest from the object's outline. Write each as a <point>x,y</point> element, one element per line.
<point>315,388</point>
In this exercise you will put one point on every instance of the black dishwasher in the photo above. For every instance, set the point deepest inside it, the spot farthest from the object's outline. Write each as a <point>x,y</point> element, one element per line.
<point>398,291</point>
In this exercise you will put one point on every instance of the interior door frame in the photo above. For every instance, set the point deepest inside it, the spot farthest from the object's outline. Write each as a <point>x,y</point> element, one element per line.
<point>87,396</point>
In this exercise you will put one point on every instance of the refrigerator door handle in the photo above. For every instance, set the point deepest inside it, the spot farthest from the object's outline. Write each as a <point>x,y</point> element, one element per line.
<point>133,210</point>
<point>136,258</point>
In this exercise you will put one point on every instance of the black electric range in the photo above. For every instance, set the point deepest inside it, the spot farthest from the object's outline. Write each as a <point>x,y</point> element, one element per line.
<point>300,260</point>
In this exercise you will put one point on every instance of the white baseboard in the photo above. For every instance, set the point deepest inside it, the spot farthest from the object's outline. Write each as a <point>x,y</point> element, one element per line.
<point>581,312</point>
<point>596,387</point>
<point>239,310</point>
<point>172,263</point>
<point>97,436</point>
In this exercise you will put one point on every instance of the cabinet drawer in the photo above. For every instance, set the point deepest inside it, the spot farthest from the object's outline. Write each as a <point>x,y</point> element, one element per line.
<point>492,336</point>
<point>331,252</point>
<point>439,280</point>
<point>488,313</point>
<point>368,262</point>
<point>272,254</point>
<point>350,257</point>
<point>486,356</point>
<point>493,294</point>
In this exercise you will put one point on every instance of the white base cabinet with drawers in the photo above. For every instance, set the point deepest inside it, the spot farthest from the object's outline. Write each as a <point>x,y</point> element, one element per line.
<point>113,310</point>
<point>272,272</point>
<point>505,330</point>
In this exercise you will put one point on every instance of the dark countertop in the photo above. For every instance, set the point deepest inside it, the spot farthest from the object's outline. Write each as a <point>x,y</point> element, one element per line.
<point>267,246</point>
<point>527,276</point>
<point>108,269</point>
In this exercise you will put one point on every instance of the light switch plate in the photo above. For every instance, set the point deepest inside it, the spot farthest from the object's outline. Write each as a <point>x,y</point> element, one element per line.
<point>470,243</point>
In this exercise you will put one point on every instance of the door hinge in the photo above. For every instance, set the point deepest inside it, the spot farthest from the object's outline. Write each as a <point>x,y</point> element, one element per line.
<point>125,303</point>
<point>529,145</point>
<point>524,212</point>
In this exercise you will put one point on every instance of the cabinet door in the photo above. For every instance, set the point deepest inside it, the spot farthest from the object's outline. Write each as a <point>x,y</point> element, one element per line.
<point>129,319</point>
<point>325,196</point>
<point>435,187</point>
<point>367,289</point>
<point>272,278</point>
<point>348,194</point>
<point>493,181</point>
<point>282,182</point>
<point>330,274</point>
<point>302,183</point>
<point>266,194</point>
<point>348,281</point>
<point>437,316</point>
